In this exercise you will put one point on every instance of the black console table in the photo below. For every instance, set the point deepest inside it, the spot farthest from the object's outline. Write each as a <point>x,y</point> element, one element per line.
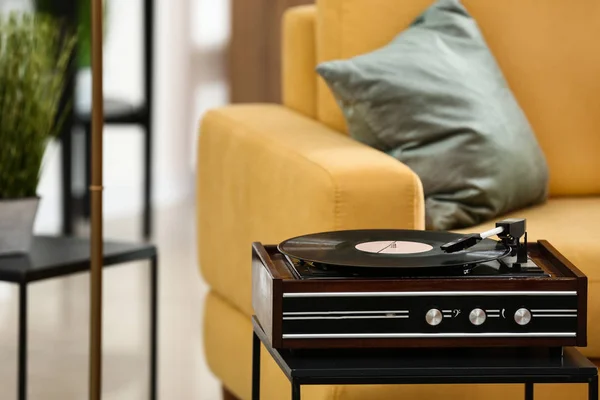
<point>52,257</point>
<point>420,366</point>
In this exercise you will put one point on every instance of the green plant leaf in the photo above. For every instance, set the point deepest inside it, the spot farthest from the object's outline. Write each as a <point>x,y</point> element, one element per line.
<point>35,53</point>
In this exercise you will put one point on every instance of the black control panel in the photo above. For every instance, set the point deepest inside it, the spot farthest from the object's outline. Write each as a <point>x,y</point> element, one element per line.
<point>423,314</point>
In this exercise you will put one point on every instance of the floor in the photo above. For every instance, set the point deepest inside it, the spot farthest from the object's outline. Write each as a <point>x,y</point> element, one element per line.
<point>59,317</point>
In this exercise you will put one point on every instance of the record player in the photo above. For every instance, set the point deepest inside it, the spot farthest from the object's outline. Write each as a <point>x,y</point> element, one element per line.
<point>407,288</point>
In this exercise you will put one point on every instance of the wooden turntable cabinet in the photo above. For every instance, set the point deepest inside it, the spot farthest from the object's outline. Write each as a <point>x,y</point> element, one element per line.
<point>541,302</point>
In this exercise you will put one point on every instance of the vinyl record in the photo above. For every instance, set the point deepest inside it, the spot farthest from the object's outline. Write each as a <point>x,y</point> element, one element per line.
<point>388,248</point>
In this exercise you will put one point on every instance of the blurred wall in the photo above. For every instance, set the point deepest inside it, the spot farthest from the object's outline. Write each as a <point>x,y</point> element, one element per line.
<point>210,28</point>
<point>191,37</point>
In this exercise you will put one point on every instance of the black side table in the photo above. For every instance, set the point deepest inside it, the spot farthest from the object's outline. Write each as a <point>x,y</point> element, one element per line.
<point>419,366</point>
<point>52,257</point>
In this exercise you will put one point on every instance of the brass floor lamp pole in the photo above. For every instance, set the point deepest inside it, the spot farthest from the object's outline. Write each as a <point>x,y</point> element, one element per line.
<point>96,206</point>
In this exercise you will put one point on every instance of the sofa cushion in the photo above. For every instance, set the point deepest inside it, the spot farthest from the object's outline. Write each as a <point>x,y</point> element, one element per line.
<point>571,226</point>
<point>435,99</point>
<point>546,53</point>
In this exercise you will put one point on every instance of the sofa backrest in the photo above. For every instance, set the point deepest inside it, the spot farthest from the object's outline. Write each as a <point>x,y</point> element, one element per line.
<point>548,51</point>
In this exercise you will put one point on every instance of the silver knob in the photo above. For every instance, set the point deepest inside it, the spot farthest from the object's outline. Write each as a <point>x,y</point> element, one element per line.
<point>522,316</point>
<point>477,316</point>
<point>434,317</point>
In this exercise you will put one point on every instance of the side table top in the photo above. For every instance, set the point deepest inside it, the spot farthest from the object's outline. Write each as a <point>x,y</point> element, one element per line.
<point>53,256</point>
<point>368,365</point>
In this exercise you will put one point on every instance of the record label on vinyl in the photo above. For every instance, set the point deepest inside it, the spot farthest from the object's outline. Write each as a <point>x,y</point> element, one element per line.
<point>393,247</point>
<point>389,248</point>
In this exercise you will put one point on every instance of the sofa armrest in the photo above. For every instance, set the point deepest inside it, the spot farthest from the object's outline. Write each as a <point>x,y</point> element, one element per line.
<point>266,173</point>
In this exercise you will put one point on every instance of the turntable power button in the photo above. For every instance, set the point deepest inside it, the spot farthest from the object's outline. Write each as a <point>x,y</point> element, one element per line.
<point>434,317</point>
<point>522,316</point>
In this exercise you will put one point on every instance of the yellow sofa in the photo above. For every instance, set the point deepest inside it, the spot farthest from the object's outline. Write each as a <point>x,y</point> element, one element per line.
<point>269,172</point>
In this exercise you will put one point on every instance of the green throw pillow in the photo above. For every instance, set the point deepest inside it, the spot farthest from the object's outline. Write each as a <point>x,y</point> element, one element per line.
<point>435,99</point>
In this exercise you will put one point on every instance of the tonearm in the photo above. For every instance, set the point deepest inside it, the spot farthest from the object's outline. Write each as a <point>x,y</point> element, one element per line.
<point>510,232</point>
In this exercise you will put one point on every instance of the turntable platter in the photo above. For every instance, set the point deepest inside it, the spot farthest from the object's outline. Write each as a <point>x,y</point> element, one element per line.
<point>388,248</point>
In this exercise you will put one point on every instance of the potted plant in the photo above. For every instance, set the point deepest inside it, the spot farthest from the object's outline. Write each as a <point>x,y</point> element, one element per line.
<point>34,57</point>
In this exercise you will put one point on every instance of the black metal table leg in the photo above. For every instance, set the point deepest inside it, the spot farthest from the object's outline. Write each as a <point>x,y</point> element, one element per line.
<point>67,175</point>
<point>255,367</point>
<point>153,326</point>
<point>295,390</point>
<point>22,364</point>
<point>147,222</point>
<point>68,11</point>
<point>593,388</point>
<point>529,391</point>
<point>148,94</point>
